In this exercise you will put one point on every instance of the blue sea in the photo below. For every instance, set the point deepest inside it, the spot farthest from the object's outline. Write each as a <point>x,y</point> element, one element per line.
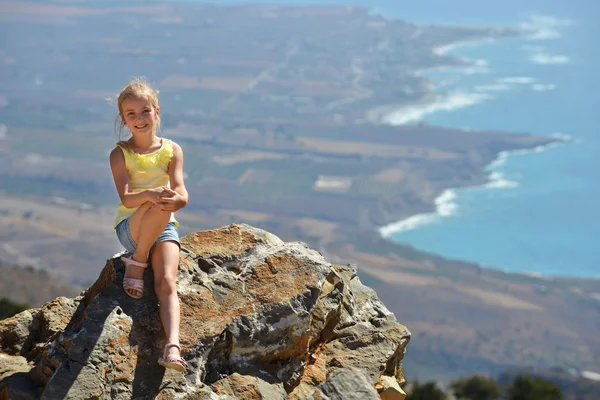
<point>539,214</point>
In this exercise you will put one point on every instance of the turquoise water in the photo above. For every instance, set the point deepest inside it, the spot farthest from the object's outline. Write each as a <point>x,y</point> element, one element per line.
<point>541,215</point>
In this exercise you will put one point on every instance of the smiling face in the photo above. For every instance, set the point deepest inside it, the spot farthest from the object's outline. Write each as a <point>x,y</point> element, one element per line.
<point>140,115</point>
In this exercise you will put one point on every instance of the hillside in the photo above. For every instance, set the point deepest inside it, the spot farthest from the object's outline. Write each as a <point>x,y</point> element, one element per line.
<point>31,286</point>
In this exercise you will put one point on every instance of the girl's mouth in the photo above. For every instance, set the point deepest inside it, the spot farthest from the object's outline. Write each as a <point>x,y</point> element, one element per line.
<point>141,127</point>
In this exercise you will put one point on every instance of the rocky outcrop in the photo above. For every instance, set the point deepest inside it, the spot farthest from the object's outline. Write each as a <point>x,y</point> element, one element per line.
<point>260,319</point>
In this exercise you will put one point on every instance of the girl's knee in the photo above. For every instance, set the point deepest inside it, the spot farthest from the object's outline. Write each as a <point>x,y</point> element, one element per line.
<point>150,206</point>
<point>146,206</point>
<point>156,209</point>
<point>165,286</point>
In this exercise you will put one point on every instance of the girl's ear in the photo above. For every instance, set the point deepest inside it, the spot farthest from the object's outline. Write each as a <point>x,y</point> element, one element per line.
<point>157,110</point>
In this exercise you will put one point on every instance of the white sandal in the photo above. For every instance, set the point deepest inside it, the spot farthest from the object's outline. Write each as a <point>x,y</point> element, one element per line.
<point>172,361</point>
<point>133,283</point>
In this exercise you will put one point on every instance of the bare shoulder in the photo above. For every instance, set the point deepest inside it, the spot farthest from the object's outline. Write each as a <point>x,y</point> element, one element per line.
<point>116,154</point>
<point>177,150</point>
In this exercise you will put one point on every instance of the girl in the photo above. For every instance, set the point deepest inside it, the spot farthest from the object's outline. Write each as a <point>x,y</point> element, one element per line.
<point>148,175</point>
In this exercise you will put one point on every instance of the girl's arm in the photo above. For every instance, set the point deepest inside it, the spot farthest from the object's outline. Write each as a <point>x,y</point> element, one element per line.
<point>176,197</point>
<point>121,178</point>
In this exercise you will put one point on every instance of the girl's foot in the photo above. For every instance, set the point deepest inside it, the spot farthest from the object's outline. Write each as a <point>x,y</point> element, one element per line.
<point>133,284</point>
<point>172,359</point>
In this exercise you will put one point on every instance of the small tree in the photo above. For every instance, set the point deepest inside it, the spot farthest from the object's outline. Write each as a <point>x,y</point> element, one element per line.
<point>526,387</point>
<point>8,308</point>
<point>476,387</point>
<point>426,391</point>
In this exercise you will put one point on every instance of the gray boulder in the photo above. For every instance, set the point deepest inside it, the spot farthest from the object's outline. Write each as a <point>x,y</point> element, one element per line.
<point>260,319</point>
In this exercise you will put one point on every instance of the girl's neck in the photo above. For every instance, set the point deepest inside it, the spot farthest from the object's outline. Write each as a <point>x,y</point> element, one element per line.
<point>144,144</point>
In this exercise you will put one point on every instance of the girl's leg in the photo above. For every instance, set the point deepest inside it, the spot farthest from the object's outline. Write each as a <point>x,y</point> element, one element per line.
<point>145,226</point>
<point>165,262</point>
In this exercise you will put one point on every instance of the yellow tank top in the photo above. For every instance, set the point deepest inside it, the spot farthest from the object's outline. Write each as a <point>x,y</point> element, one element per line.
<point>146,171</point>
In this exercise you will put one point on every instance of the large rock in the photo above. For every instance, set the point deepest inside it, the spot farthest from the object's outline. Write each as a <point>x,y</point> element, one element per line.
<point>260,319</point>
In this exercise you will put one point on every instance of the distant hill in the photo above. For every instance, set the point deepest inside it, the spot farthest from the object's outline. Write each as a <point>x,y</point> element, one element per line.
<point>32,286</point>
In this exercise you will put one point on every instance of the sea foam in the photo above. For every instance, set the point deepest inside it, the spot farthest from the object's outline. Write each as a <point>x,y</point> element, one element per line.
<point>445,203</point>
<point>445,206</point>
<point>545,58</point>
<point>493,87</point>
<point>498,181</point>
<point>544,27</point>
<point>540,87</point>
<point>519,80</point>
<point>445,49</point>
<point>452,101</point>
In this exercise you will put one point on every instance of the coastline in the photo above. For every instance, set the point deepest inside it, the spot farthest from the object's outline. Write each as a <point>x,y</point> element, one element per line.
<point>443,205</point>
<point>432,100</point>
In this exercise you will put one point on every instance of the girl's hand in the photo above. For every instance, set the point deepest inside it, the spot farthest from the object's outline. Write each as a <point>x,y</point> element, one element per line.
<point>170,200</point>
<point>155,194</point>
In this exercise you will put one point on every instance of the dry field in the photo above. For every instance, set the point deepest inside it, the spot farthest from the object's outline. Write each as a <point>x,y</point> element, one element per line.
<point>374,149</point>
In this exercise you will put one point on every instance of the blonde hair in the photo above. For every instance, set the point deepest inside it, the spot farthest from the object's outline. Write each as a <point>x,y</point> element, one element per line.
<point>136,88</point>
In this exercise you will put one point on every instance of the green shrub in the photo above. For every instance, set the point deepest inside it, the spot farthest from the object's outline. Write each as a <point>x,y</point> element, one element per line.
<point>525,387</point>
<point>9,308</point>
<point>426,391</point>
<point>476,387</point>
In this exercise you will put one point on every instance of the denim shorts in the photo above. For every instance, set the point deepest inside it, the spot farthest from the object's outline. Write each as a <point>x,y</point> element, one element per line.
<point>124,235</point>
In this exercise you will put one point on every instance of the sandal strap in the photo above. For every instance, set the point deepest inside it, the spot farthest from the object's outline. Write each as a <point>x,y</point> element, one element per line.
<point>130,261</point>
<point>175,358</point>
<point>167,347</point>
<point>132,283</point>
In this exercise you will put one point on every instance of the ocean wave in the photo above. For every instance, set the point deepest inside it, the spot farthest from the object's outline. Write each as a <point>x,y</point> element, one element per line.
<point>540,87</point>
<point>546,58</point>
<point>504,155</point>
<point>544,34</point>
<point>477,66</point>
<point>520,80</point>
<point>493,87</point>
<point>475,70</point>
<point>445,203</point>
<point>498,181</point>
<point>474,66</point>
<point>441,83</point>
<point>444,207</point>
<point>499,161</point>
<point>407,224</point>
<point>562,136</point>
<point>452,101</point>
<point>544,27</point>
<point>501,184</point>
<point>445,49</point>
<point>506,83</point>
